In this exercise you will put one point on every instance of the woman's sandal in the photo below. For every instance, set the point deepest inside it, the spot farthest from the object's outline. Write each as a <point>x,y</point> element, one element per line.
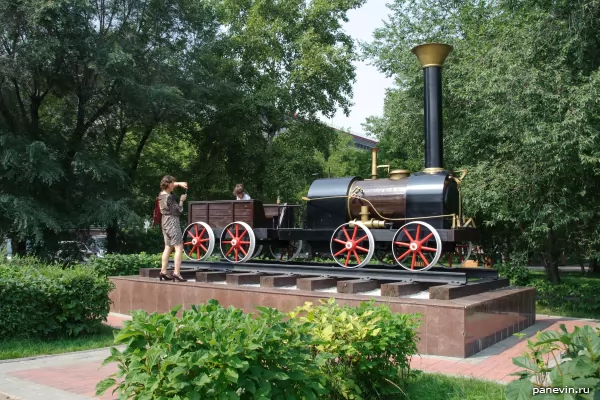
<point>165,277</point>
<point>179,278</point>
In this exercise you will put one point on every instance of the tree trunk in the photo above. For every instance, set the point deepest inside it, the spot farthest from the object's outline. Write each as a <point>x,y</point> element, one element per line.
<point>593,268</point>
<point>111,237</point>
<point>551,259</point>
<point>19,247</point>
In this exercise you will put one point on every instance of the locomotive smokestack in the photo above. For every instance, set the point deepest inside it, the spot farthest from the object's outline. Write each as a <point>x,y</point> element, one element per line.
<point>432,57</point>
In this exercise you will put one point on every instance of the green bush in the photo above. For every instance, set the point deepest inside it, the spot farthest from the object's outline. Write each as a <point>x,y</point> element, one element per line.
<point>368,348</point>
<point>518,275</point>
<point>214,353</point>
<point>580,297</point>
<point>211,352</point>
<point>125,264</point>
<point>46,301</point>
<point>578,366</point>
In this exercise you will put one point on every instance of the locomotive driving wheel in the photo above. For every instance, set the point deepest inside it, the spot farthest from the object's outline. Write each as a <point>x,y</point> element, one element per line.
<point>347,243</point>
<point>458,257</point>
<point>198,241</point>
<point>417,246</point>
<point>238,242</point>
<point>287,253</point>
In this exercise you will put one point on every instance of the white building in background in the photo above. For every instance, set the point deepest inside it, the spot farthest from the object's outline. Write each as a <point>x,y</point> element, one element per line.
<point>360,142</point>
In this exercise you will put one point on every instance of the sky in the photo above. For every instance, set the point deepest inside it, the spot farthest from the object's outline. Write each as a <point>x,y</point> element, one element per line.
<point>370,84</point>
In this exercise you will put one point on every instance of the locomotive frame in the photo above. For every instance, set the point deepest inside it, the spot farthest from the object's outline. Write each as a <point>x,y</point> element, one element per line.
<point>415,217</point>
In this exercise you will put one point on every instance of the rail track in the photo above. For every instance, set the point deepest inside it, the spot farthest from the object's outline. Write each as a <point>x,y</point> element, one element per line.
<point>456,276</point>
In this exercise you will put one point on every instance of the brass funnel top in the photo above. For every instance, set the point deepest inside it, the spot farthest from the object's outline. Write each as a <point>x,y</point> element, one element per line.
<point>432,54</point>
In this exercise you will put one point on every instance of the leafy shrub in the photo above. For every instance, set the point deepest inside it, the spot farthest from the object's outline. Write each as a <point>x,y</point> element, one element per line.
<point>125,264</point>
<point>48,301</point>
<point>213,352</point>
<point>518,275</point>
<point>367,348</point>
<point>581,297</point>
<point>577,367</point>
<point>326,352</point>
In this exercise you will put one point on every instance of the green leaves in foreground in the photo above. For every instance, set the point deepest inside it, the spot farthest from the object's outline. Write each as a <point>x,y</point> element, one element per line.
<point>213,352</point>
<point>575,360</point>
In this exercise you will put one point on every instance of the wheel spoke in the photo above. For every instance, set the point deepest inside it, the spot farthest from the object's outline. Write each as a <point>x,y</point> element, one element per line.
<point>339,241</point>
<point>196,226</point>
<point>339,252</point>
<point>230,250</point>
<point>426,238</point>
<point>237,232</point>
<point>187,243</point>
<point>423,258</point>
<point>354,233</point>
<point>243,251</point>
<point>428,248</point>
<point>418,232</point>
<point>345,233</point>
<point>203,248</point>
<point>362,249</point>
<point>347,258</point>
<point>401,257</point>
<point>412,263</point>
<point>356,255</point>
<point>230,234</point>
<point>362,238</point>
<point>408,235</point>
<point>402,244</point>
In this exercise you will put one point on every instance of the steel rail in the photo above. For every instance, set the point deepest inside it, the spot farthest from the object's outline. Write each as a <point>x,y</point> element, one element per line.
<point>448,277</point>
<point>472,273</point>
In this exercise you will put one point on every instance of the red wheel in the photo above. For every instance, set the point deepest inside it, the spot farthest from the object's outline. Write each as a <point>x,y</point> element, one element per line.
<point>457,258</point>
<point>417,243</point>
<point>356,242</point>
<point>198,241</point>
<point>238,242</point>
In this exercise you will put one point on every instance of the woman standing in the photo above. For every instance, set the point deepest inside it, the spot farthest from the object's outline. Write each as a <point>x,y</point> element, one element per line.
<point>170,226</point>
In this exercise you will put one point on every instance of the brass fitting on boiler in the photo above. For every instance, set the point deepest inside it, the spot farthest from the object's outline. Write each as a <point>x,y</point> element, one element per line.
<point>369,223</point>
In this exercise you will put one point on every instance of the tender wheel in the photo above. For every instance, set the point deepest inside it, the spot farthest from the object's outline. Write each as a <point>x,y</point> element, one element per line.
<point>462,253</point>
<point>257,252</point>
<point>288,253</point>
<point>198,241</point>
<point>238,242</point>
<point>418,243</point>
<point>354,242</point>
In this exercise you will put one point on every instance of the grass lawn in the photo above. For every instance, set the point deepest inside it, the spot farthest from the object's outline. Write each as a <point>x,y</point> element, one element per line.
<point>440,387</point>
<point>18,348</point>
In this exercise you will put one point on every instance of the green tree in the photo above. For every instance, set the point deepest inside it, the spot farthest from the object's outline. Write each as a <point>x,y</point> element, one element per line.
<point>520,114</point>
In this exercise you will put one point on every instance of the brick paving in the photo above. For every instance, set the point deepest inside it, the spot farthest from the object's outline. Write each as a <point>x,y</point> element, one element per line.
<point>74,376</point>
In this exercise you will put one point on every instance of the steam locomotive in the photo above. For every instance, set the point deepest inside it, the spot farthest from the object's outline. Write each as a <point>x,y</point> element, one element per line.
<point>414,217</point>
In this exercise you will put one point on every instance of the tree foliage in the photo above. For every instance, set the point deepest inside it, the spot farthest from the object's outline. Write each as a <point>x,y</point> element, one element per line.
<point>99,99</point>
<point>520,114</point>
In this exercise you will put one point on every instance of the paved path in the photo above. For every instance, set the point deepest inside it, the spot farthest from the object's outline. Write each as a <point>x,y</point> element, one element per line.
<point>74,376</point>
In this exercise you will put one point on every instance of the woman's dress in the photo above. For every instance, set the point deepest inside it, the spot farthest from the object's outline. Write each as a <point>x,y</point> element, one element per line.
<point>170,211</point>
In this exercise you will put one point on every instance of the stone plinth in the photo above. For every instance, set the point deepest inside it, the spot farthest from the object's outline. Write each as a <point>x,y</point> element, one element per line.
<point>454,328</point>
